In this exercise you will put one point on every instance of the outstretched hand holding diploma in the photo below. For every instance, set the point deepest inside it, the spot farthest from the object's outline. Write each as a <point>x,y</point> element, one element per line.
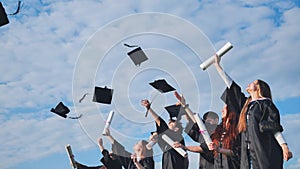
<point>220,53</point>
<point>195,118</point>
<point>108,122</point>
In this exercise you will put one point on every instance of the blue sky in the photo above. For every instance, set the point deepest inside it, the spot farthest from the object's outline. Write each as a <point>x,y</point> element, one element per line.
<point>58,50</point>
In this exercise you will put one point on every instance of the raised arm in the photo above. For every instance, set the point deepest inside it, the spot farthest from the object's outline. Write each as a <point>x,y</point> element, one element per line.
<point>221,72</point>
<point>100,144</point>
<point>110,137</point>
<point>147,104</point>
<point>183,103</point>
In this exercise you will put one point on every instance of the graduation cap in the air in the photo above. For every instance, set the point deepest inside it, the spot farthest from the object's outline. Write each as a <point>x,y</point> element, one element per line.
<point>175,111</point>
<point>103,95</point>
<point>162,86</point>
<point>3,16</point>
<point>137,55</point>
<point>62,111</point>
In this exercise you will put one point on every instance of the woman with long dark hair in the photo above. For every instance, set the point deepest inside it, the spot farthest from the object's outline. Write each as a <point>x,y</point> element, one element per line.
<point>226,141</point>
<point>262,143</point>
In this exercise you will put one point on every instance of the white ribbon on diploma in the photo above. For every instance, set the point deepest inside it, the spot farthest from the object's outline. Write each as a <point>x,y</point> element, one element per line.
<point>71,156</point>
<point>108,122</point>
<point>220,53</point>
<point>203,129</point>
<point>171,143</point>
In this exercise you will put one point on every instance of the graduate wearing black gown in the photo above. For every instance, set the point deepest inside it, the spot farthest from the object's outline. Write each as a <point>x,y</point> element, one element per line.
<point>171,159</point>
<point>262,144</point>
<point>133,161</point>
<point>226,139</point>
<point>206,158</point>
<point>109,160</point>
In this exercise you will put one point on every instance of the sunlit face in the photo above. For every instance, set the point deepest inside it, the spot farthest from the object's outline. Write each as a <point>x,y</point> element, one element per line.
<point>224,111</point>
<point>252,86</point>
<point>211,121</point>
<point>172,125</point>
<point>138,147</point>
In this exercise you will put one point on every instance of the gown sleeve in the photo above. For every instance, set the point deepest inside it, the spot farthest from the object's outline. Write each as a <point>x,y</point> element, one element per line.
<point>123,155</point>
<point>192,130</point>
<point>207,154</point>
<point>109,162</point>
<point>270,120</point>
<point>163,126</point>
<point>234,98</point>
<point>148,163</point>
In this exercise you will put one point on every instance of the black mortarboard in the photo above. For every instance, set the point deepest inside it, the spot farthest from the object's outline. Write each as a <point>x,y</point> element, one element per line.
<point>137,56</point>
<point>175,111</point>
<point>61,110</point>
<point>3,16</point>
<point>162,86</point>
<point>103,95</point>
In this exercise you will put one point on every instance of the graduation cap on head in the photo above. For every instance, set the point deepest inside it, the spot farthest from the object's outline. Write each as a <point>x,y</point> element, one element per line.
<point>103,95</point>
<point>162,86</point>
<point>175,111</point>
<point>137,55</point>
<point>62,111</point>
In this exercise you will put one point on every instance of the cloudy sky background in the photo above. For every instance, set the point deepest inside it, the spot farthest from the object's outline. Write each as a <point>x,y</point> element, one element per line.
<point>58,50</point>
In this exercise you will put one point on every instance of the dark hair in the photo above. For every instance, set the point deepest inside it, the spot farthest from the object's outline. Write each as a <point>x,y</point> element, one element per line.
<point>231,130</point>
<point>264,88</point>
<point>210,114</point>
<point>264,91</point>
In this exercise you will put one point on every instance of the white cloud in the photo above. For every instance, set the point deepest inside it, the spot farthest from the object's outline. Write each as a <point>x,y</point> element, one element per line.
<point>39,50</point>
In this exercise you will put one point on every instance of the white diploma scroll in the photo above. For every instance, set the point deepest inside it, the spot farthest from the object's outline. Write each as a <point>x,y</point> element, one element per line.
<point>107,123</point>
<point>203,129</point>
<point>71,156</point>
<point>220,53</point>
<point>171,142</point>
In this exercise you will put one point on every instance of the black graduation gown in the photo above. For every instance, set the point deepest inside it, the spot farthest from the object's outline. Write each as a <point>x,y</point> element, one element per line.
<point>171,158</point>
<point>235,100</point>
<point>264,149</point>
<point>108,162</point>
<point>206,159</point>
<point>125,158</point>
<point>81,166</point>
<point>222,161</point>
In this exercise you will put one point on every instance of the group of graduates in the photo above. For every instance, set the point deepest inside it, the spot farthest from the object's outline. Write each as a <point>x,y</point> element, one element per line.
<point>249,135</point>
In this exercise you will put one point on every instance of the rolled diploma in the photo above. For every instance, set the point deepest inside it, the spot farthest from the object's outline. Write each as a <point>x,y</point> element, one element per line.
<point>107,123</point>
<point>171,142</point>
<point>71,156</point>
<point>220,53</point>
<point>150,145</point>
<point>203,129</point>
<point>190,114</point>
